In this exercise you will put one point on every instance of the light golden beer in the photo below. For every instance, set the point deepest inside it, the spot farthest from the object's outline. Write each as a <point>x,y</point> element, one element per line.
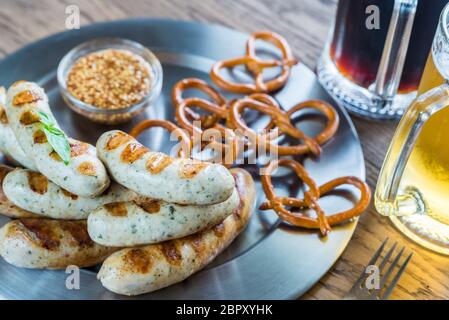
<point>413,186</point>
<point>431,77</point>
<point>426,174</point>
<point>424,185</point>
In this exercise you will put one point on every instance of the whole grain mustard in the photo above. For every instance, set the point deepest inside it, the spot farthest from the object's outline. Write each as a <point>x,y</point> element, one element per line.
<point>110,79</point>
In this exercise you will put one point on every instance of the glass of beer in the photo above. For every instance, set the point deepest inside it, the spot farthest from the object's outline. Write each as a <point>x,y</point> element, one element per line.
<point>413,186</point>
<point>376,53</point>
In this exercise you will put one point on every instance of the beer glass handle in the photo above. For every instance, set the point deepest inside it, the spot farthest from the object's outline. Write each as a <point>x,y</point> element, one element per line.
<point>395,49</point>
<point>402,145</point>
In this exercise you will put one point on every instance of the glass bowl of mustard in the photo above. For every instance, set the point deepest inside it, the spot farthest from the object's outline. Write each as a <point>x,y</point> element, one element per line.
<point>110,80</point>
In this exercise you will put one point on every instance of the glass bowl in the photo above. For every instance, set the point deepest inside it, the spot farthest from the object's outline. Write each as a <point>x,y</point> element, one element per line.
<point>101,115</point>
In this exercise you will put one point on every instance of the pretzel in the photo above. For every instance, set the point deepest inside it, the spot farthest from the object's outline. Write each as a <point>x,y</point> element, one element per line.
<point>311,197</point>
<point>193,83</point>
<point>218,113</point>
<point>256,66</point>
<point>280,120</point>
<point>183,138</point>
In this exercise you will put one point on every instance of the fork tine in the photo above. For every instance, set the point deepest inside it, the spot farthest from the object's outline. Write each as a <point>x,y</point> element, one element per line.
<point>377,253</point>
<point>387,257</point>
<point>371,262</point>
<point>391,268</point>
<point>398,275</point>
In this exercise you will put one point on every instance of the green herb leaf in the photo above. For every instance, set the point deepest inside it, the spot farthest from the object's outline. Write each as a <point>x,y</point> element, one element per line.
<point>46,119</point>
<point>55,136</point>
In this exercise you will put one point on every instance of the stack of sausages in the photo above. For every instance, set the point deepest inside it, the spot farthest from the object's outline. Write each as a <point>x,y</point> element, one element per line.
<point>154,218</point>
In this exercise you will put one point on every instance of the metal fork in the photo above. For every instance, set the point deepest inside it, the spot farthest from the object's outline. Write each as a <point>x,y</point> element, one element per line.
<point>359,291</point>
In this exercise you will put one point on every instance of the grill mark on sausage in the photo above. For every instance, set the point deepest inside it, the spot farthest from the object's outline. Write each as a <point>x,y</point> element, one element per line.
<point>117,140</point>
<point>171,253</point>
<point>236,215</point>
<point>78,148</point>
<point>3,117</point>
<point>69,194</point>
<point>39,137</point>
<point>197,243</point>
<point>4,170</point>
<point>117,209</point>
<point>138,260</point>
<point>87,168</point>
<point>189,168</point>
<point>219,229</point>
<point>150,205</point>
<point>43,232</point>
<point>25,97</point>
<point>78,231</point>
<point>55,156</point>
<point>29,117</point>
<point>133,152</point>
<point>37,182</point>
<point>158,162</point>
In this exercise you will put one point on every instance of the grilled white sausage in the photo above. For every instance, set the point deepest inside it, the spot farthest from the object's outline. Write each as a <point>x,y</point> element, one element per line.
<point>85,175</point>
<point>49,244</point>
<point>8,142</point>
<point>144,269</point>
<point>126,224</point>
<point>7,208</point>
<point>159,176</point>
<point>33,192</point>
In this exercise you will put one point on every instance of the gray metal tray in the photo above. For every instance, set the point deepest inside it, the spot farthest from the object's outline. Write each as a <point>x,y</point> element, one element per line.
<point>269,260</point>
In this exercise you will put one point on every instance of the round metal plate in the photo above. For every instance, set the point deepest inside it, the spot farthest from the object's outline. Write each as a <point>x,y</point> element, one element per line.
<point>269,260</point>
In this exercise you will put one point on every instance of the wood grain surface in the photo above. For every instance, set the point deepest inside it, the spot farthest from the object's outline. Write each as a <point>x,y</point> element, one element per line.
<point>305,24</point>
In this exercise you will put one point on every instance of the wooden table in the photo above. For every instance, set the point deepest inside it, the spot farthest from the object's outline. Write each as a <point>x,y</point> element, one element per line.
<point>305,23</point>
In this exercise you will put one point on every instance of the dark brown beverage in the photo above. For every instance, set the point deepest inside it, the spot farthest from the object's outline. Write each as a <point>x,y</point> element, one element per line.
<point>357,50</point>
